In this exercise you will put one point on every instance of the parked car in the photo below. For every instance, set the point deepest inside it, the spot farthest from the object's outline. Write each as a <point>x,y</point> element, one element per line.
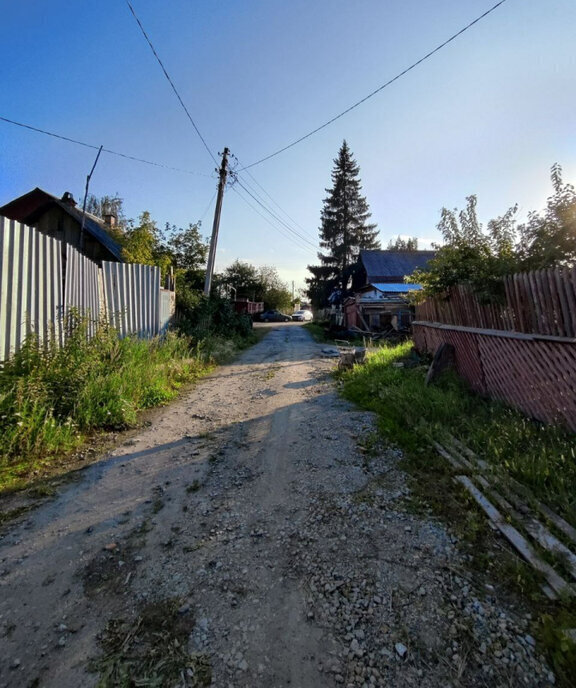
<point>274,316</point>
<point>302,315</point>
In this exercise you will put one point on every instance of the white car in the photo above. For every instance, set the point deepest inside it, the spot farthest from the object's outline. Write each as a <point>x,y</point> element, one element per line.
<point>302,315</point>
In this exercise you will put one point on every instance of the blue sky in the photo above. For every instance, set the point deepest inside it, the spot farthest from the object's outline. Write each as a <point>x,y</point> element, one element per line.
<point>489,114</point>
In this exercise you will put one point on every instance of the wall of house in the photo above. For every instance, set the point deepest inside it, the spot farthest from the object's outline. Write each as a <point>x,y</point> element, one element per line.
<point>56,223</point>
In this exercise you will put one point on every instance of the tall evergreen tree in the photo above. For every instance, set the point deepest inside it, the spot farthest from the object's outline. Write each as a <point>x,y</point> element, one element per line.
<point>344,229</point>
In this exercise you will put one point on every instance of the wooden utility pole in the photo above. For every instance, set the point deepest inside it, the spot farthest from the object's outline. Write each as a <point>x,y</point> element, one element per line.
<point>216,224</point>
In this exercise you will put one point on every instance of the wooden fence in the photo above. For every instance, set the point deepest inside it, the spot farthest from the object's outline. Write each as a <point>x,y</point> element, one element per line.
<point>43,279</point>
<point>522,352</point>
<point>538,302</point>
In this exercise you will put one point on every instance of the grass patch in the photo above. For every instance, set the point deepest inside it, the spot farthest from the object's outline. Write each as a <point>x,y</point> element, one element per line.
<point>150,650</point>
<point>53,399</point>
<point>410,415</point>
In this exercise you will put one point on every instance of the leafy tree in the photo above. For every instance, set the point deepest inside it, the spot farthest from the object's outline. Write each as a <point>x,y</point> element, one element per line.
<point>242,277</point>
<point>344,230</point>
<point>470,255</point>
<point>403,244</point>
<point>257,284</point>
<point>187,248</point>
<point>142,243</point>
<point>549,239</point>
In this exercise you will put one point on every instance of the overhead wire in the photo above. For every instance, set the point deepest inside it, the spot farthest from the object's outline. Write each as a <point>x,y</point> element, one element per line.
<point>209,206</point>
<point>105,150</point>
<point>278,228</point>
<point>380,88</point>
<point>170,81</point>
<point>264,204</point>
<point>276,203</point>
<point>296,234</point>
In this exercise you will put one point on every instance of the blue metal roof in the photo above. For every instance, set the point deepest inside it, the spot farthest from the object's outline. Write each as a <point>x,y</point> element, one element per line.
<point>401,288</point>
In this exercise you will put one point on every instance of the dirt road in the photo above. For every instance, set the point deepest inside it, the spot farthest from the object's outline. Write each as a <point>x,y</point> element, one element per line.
<point>258,513</point>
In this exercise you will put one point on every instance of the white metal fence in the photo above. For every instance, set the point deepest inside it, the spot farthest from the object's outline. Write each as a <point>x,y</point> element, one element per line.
<point>42,279</point>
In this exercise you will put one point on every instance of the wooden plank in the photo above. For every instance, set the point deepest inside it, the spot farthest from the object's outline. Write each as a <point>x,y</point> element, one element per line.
<point>558,319</point>
<point>537,531</point>
<point>568,327</point>
<point>514,537</point>
<point>505,334</point>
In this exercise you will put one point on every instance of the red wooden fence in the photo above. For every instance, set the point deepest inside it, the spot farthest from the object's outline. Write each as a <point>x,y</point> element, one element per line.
<point>522,352</point>
<point>538,302</point>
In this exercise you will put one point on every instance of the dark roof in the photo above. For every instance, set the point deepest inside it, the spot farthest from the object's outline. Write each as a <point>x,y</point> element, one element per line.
<point>29,207</point>
<point>382,264</point>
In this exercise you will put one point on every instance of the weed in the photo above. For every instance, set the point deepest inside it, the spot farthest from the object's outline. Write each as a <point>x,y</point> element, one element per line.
<point>52,397</point>
<point>193,487</point>
<point>150,650</point>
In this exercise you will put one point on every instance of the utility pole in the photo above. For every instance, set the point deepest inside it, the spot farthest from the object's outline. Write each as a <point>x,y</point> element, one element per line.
<point>216,224</point>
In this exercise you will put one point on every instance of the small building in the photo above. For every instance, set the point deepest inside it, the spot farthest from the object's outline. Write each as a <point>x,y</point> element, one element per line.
<point>377,307</point>
<point>380,298</point>
<point>61,219</point>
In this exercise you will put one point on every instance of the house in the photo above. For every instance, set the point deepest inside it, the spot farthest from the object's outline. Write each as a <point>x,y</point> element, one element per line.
<point>376,307</point>
<point>61,219</point>
<point>380,298</point>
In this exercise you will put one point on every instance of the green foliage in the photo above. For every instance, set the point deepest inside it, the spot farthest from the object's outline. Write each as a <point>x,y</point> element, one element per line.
<point>470,255</point>
<point>410,413</point>
<point>403,244</point>
<point>214,318</point>
<point>257,284</point>
<point>549,239</point>
<point>344,229</point>
<point>51,396</point>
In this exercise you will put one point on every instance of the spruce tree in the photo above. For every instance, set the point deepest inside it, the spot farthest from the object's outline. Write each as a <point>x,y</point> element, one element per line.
<point>344,229</point>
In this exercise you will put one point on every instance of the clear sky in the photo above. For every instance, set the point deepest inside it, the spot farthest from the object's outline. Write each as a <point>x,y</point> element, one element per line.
<point>489,114</point>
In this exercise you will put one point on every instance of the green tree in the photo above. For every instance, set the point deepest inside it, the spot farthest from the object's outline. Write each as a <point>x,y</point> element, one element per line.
<point>403,244</point>
<point>470,255</point>
<point>548,239</point>
<point>187,248</point>
<point>344,229</point>
<point>243,278</point>
<point>142,243</point>
<point>257,284</point>
<point>481,258</point>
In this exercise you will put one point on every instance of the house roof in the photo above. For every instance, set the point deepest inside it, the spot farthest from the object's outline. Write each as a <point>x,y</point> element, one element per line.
<point>29,207</point>
<point>392,288</point>
<point>384,264</point>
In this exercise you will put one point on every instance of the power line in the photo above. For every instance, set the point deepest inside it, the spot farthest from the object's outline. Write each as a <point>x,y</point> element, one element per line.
<point>106,150</point>
<point>266,219</point>
<point>258,198</point>
<point>209,206</point>
<point>273,214</point>
<point>373,93</point>
<point>170,81</point>
<point>276,203</point>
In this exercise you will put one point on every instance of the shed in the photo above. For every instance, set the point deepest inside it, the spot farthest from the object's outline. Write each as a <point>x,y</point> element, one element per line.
<point>61,219</point>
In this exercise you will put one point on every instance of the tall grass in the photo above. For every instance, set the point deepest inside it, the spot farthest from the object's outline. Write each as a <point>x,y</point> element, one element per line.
<point>52,397</point>
<point>411,414</point>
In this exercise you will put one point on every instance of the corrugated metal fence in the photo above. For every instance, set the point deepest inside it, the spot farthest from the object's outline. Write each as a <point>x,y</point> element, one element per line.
<point>522,352</point>
<point>37,291</point>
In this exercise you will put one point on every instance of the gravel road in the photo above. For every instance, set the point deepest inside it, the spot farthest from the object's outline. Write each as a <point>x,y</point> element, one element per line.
<point>254,503</point>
